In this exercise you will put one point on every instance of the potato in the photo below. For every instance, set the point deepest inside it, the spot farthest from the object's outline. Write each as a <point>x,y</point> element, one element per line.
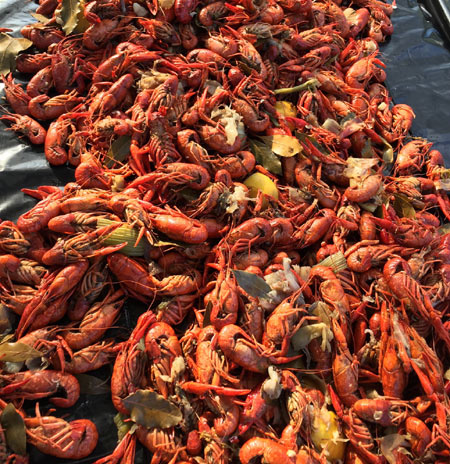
<point>286,109</point>
<point>327,435</point>
<point>263,183</point>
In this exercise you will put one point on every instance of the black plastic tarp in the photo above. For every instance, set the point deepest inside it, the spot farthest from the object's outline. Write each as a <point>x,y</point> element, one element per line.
<point>418,70</point>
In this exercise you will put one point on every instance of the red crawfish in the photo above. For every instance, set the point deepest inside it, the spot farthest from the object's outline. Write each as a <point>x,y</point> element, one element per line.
<point>130,365</point>
<point>79,246</point>
<point>27,126</point>
<point>64,440</point>
<point>16,97</point>
<point>41,384</point>
<point>58,285</point>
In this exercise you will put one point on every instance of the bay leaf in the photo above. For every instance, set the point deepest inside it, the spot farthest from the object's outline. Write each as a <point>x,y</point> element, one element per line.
<point>149,409</point>
<point>17,352</point>
<point>9,49</point>
<point>14,427</point>
<point>390,443</point>
<point>6,320</point>
<point>71,18</point>
<point>265,157</point>
<point>283,145</point>
<point>444,229</point>
<point>119,150</point>
<point>254,285</point>
<point>166,4</point>
<point>403,206</point>
<point>41,18</point>
<point>207,315</point>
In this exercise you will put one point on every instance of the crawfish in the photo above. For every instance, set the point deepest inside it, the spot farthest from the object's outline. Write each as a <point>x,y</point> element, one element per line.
<point>73,223</point>
<point>110,99</point>
<point>21,270</point>
<point>64,440</point>
<point>174,311</point>
<point>132,276</point>
<point>57,287</point>
<point>87,359</point>
<point>212,13</point>
<point>91,286</point>
<point>29,63</point>
<point>176,225</point>
<point>269,450</point>
<point>41,384</point>
<point>96,321</point>
<point>40,83</point>
<point>160,146</point>
<point>164,444</point>
<point>27,126</point>
<point>130,364</point>
<point>45,108</point>
<point>42,37</point>
<point>283,322</point>
<point>16,97</point>
<point>184,175</point>
<point>17,298</point>
<point>403,286</point>
<point>345,368</point>
<point>12,240</point>
<point>80,246</point>
<point>164,352</point>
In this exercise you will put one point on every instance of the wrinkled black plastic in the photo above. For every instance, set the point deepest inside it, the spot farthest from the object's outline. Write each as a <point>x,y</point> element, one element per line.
<point>418,70</point>
<point>438,12</point>
<point>418,73</point>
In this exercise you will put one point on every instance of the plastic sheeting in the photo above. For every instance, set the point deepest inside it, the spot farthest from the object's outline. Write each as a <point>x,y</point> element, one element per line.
<point>418,70</point>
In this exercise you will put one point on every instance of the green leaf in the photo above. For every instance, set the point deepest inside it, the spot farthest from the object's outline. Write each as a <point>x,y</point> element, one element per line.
<point>151,410</point>
<point>14,427</point>
<point>122,427</point>
<point>266,158</point>
<point>17,352</point>
<point>91,385</point>
<point>254,285</point>
<point>9,49</point>
<point>119,150</point>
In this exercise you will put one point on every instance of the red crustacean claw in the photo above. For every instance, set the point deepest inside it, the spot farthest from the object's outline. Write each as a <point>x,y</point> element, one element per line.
<point>203,388</point>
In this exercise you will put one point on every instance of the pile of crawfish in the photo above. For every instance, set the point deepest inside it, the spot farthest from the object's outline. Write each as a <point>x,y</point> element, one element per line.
<point>305,323</point>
